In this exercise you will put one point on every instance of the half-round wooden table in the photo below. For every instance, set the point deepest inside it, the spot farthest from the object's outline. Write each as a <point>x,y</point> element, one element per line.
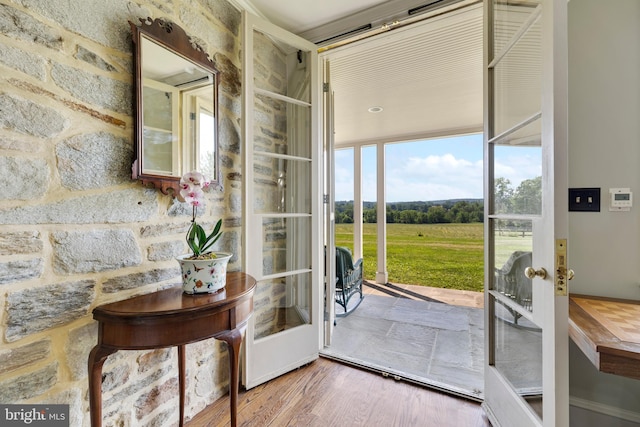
<point>170,318</point>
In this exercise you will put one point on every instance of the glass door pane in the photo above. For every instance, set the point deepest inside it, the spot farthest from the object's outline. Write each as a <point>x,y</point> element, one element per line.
<point>517,180</point>
<point>283,208</point>
<point>518,355</point>
<point>282,183</point>
<point>286,304</point>
<point>516,65</point>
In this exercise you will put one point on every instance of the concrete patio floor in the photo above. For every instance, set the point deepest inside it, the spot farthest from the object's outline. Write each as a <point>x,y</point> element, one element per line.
<point>417,334</point>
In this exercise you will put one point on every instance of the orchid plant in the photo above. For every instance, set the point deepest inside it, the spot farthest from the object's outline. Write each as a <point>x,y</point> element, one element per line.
<point>191,190</point>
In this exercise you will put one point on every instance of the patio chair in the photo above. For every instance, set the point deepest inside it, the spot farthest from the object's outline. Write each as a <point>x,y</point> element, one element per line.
<point>512,282</point>
<point>349,280</point>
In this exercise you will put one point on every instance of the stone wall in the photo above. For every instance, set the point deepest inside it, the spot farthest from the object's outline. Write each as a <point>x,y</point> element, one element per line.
<point>76,231</point>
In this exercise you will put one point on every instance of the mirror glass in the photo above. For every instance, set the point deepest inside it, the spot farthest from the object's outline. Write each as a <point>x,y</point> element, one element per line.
<point>176,120</point>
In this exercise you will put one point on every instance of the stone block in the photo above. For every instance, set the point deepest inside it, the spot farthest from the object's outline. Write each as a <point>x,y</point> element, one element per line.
<point>159,230</point>
<point>102,21</point>
<point>79,344</point>
<point>14,358</point>
<point>25,62</point>
<point>230,76</point>
<point>165,418</point>
<point>228,105</point>
<point>150,401</point>
<point>29,385</point>
<point>232,222</point>
<point>20,26</point>
<point>19,270</point>
<point>73,105</point>
<point>151,359</point>
<point>24,116</point>
<point>94,250</point>
<point>164,251</point>
<point>228,15</point>
<point>136,280</point>
<point>25,145</point>
<point>115,376</point>
<point>94,160</point>
<point>179,208</point>
<point>94,59</point>
<point>22,178</point>
<point>229,138</point>
<point>134,387</point>
<point>20,242</point>
<point>93,89</point>
<point>34,310</point>
<point>131,205</point>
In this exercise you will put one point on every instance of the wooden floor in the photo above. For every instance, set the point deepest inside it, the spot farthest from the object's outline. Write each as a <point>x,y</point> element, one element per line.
<point>327,393</point>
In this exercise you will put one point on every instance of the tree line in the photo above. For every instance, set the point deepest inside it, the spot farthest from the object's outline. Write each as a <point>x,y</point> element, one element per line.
<point>434,212</point>
<point>526,198</point>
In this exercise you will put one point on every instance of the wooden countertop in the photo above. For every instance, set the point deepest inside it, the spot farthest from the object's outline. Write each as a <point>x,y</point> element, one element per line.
<point>607,330</point>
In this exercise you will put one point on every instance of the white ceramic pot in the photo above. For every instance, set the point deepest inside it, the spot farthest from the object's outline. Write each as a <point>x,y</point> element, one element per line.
<point>200,276</point>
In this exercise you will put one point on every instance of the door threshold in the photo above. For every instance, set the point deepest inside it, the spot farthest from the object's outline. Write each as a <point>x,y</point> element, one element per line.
<point>402,376</point>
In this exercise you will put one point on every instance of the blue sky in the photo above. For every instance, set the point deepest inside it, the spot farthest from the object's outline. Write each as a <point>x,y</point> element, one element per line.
<point>448,168</point>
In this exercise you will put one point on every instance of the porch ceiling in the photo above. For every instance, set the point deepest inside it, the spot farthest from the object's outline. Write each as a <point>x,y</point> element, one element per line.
<point>427,77</point>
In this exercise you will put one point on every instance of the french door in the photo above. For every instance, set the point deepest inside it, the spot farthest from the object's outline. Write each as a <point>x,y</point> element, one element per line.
<point>283,206</point>
<point>526,309</point>
<point>330,202</point>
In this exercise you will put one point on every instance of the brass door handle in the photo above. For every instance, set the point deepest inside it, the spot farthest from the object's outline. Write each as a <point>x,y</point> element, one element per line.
<point>531,272</point>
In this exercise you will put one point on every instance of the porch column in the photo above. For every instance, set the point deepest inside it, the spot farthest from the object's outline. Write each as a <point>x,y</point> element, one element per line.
<point>382,276</point>
<point>357,202</point>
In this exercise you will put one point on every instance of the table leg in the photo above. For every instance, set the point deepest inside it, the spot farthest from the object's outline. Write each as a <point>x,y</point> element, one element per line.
<point>234,340</point>
<point>181,380</point>
<point>96,359</point>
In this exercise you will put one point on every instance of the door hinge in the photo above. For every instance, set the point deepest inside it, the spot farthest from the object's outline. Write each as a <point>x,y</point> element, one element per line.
<point>325,87</point>
<point>325,198</point>
<point>192,116</point>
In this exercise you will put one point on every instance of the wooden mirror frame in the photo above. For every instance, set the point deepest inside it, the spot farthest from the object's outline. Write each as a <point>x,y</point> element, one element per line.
<point>173,38</point>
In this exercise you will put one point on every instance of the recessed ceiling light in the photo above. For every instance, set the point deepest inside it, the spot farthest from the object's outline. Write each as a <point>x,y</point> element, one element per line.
<point>375,109</point>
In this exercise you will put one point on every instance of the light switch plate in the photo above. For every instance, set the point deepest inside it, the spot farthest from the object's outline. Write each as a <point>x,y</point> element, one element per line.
<point>584,200</point>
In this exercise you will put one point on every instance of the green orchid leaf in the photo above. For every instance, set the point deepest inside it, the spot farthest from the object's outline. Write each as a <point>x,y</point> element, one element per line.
<point>191,239</point>
<point>217,228</point>
<point>198,240</point>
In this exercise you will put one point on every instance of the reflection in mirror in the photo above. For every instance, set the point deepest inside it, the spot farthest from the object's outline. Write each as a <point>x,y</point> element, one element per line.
<point>176,93</point>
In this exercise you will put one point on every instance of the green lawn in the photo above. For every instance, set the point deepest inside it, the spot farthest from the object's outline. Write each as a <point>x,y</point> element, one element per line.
<point>438,255</point>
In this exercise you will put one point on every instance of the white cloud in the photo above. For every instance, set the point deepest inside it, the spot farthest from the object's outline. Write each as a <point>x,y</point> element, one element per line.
<point>435,177</point>
<point>518,168</point>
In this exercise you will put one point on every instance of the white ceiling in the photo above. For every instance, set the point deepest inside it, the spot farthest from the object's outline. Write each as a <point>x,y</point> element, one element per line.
<point>426,76</point>
<point>298,16</point>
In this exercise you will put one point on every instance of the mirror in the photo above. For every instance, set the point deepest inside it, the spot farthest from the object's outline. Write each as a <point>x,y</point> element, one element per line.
<point>176,88</point>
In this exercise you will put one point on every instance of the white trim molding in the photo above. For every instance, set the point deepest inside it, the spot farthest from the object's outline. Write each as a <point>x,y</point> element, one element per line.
<point>601,408</point>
